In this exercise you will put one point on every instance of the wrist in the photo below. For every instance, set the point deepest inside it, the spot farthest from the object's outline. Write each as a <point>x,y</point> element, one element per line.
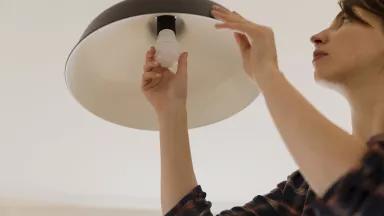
<point>172,110</point>
<point>267,79</point>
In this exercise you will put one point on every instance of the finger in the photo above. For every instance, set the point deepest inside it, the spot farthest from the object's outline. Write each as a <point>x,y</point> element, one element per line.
<point>242,27</point>
<point>227,16</point>
<point>238,15</point>
<point>149,66</point>
<point>147,76</point>
<point>182,63</point>
<point>151,83</point>
<point>150,54</point>
<point>219,8</point>
<point>242,40</point>
<point>150,78</point>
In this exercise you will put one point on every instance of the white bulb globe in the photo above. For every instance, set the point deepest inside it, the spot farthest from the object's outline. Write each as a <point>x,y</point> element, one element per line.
<point>167,48</point>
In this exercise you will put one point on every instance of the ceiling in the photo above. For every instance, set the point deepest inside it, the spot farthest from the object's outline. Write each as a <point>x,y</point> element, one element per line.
<point>53,150</point>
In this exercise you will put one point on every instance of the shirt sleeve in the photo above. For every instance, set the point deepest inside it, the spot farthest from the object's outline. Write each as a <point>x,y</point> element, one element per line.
<point>286,199</point>
<point>361,190</point>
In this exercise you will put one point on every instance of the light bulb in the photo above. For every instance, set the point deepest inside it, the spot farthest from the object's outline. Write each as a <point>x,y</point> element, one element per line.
<point>167,48</point>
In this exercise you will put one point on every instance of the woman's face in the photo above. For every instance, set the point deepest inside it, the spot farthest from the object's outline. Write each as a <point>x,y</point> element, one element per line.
<point>352,48</point>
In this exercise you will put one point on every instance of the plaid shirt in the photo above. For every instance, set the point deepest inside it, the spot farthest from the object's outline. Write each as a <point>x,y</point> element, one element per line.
<point>359,192</point>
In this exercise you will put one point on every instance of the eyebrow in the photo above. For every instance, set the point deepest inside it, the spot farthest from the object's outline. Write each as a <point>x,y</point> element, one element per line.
<point>337,16</point>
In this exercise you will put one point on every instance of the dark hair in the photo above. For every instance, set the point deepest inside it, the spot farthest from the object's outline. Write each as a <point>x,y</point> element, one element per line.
<point>374,6</point>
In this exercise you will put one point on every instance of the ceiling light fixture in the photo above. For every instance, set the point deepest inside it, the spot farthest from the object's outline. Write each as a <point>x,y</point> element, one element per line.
<point>104,70</point>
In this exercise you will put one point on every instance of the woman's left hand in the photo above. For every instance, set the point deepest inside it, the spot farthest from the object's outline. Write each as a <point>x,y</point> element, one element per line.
<point>258,50</point>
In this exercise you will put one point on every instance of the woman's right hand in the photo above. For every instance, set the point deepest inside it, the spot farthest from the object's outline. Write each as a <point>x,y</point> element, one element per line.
<point>169,89</point>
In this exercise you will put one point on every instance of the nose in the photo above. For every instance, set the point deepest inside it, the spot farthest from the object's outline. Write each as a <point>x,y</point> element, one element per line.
<point>319,38</point>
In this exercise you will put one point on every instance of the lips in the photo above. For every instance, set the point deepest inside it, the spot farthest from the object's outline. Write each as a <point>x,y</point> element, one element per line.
<point>318,54</point>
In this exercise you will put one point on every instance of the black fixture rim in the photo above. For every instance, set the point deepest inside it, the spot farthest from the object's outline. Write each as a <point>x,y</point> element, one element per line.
<point>131,8</point>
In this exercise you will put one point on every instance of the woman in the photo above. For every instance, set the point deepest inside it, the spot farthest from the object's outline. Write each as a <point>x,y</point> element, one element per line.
<point>339,173</point>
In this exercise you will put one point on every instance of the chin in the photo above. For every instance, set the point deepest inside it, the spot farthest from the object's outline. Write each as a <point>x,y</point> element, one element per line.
<point>329,79</point>
<point>323,76</point>
<point>316,75</point>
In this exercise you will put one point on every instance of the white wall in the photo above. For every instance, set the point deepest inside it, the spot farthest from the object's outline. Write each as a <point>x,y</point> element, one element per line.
<point>52,149</point>
<point>25,210</point>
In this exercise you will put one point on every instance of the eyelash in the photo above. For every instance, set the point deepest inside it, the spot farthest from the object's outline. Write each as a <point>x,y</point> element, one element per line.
<point>345,18</point>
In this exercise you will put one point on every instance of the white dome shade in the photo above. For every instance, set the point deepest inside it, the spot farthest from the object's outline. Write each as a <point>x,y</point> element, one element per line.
<point>104,71</point>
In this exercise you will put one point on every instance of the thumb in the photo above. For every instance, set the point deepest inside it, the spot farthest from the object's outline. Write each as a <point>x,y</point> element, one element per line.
<point>182,63</point>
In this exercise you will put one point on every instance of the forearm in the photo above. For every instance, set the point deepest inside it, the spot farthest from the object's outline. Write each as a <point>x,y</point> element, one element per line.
<point>322,150</point>
<point>177,175</point>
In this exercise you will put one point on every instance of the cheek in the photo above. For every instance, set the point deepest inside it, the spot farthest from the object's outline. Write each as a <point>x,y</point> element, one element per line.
<point>356,60</point>
<point>357,50</point>
<point>346,61</point>
<point>347,56</point>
